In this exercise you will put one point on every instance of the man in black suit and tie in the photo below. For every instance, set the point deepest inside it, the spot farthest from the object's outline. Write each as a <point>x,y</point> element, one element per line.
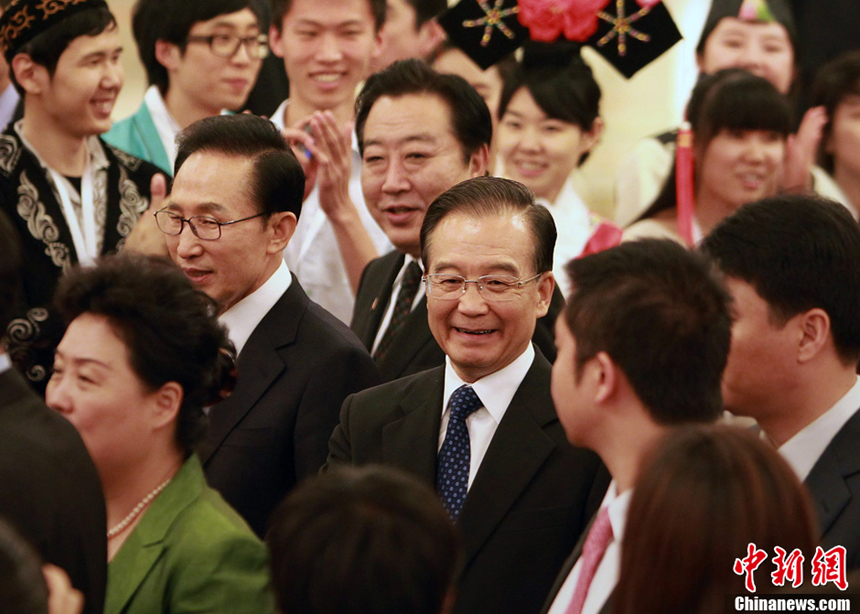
<point>49,488</point>
<point>791,264</point>
<point>419,132</point>
<point>642,344</point>
<point>482,427</point>
<point>231,211</point>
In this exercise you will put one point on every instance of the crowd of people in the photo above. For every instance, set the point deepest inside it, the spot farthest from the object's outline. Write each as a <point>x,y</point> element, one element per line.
<point>373,353</point>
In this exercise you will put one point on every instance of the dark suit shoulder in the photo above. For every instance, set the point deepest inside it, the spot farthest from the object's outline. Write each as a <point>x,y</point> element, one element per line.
<point>50,488</point>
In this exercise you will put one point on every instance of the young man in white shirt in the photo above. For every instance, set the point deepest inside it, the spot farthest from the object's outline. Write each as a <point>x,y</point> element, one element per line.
<point>327,47</point>
<point>641,348</point>
<point>790,263</point>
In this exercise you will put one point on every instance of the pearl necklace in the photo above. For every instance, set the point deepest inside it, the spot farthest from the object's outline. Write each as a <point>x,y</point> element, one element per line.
<point>136,511</point>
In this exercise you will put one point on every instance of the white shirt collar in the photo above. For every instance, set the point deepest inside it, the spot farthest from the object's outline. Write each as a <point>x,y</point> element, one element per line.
<point>243,317</point>
<point>804,449</point>
<point>495,390</point>
<point>5,362</point>
<point>618,504</point>
<point>165,125</point>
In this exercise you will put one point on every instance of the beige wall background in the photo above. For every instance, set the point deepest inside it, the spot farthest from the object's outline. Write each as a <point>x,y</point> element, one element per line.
<point>649,103</point>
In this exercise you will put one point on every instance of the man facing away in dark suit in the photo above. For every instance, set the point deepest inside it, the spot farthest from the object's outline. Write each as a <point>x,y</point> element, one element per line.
<point>49,488</point>
<point>791,265</point>
<point>482,427</point>
<point>642,344</point>
<point>231,211</point>
<point>419,132</point>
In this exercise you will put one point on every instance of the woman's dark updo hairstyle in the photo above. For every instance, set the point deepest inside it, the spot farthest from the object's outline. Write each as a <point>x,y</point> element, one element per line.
<point>732,99</point>
<point>562,85</point>
<point>170,329</point>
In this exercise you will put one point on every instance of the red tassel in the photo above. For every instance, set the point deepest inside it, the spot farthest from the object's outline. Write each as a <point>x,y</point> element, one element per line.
<point>684,188</point>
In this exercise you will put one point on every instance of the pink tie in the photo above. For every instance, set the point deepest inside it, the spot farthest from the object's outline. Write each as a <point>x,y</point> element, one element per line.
<point>592,553</point>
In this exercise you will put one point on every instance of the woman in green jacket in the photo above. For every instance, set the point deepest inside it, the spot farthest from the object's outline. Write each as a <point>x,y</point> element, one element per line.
<point>142,355</point>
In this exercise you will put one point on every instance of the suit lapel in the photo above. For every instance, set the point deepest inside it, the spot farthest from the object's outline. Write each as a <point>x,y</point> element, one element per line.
<point>414,335</point>
<point>517,452</point>
<point>411,442</point>
<point>258,365</point>
<point>145,546</point>
<point>826,480</point>
<point>370,316</point>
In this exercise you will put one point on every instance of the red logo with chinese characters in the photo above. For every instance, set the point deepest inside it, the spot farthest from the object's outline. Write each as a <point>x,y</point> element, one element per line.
<point>827,566</point>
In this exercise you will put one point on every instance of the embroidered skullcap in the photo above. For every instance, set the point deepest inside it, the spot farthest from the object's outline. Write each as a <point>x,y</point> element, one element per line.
<point>23,20</point>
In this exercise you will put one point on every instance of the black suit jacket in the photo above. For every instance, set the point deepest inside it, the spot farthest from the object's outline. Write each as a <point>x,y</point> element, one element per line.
<point>295,370</point>
<point>528,503</point>
<point>834,484</point>
<point>49,489</point>
<point>570,562</point>
<point>414,349</point>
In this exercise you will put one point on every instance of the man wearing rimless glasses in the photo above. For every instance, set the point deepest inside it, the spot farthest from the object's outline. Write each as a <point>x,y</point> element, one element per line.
<point>232,210</point>
<point>482,428</point>
<point>201,58</point>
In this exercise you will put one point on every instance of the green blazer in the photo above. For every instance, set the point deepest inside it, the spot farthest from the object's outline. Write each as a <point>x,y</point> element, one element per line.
<point>136,134</point>
<point>190,552</point>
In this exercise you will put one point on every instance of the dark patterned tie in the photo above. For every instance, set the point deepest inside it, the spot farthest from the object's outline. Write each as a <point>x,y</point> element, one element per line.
<point>452,470</point>
<point>402,307</point>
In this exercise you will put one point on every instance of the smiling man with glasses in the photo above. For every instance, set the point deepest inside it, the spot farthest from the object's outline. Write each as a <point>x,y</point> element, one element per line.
<point>482,427</point>
<point>232,210</point>
<point>201,58</point>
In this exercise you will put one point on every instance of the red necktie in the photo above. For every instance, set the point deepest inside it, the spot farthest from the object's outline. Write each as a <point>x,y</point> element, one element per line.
<point>592,553</point>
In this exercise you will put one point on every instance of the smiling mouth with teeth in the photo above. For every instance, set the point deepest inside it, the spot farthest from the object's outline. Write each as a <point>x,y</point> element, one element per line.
<point>474,332</point>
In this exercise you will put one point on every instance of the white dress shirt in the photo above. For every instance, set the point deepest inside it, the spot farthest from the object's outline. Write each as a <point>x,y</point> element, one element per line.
<point>395,290</point>
<point>495,391</point>
<point>165,125</point>
<point>606,576</point>
<point>804,449</point>
<point>243,317</point>
<point>313,253</point>
<point>573,222</point>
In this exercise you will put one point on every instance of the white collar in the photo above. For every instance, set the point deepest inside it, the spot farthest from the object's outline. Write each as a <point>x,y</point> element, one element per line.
<point>243,317</point>
<point>496,389</point>
<point>165,125</point>
<point>95,151</point>
<point>5,362</point>
<point>618,504</point>
<point>804,449</point>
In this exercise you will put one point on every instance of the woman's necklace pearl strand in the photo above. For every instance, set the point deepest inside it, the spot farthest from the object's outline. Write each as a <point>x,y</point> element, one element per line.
<point>122,526</point>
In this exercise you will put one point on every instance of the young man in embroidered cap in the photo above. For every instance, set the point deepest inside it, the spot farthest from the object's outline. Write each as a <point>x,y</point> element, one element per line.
<point>201,58</point>
<point>70,196</point>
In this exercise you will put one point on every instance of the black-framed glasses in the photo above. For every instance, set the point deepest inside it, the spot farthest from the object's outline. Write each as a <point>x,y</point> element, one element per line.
<point>227,45</point>
<point>490,287</point>
<point>204,227</point>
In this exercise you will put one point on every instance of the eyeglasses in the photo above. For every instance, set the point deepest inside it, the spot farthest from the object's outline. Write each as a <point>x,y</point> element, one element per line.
<point>227,45</point>
<point>204,227</point>
<point>490,287</point>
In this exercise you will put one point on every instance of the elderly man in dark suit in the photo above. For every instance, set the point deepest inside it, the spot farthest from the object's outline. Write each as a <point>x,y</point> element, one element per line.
<point>49,488</point>
<point>791,266</point>
<point>420,132</point>
<point>482,427</point>
<point>296,361</point>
